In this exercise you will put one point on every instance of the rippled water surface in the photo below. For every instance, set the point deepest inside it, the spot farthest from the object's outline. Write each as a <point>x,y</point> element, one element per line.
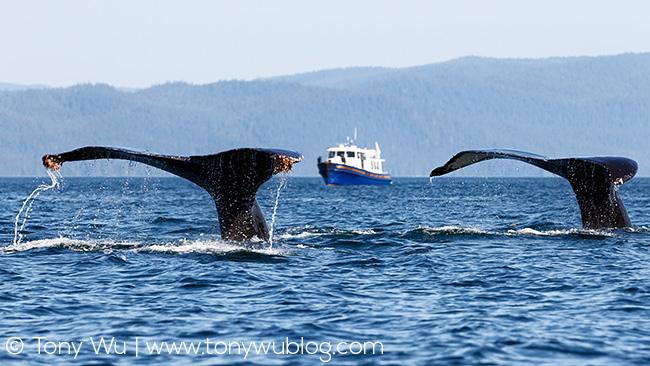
<point>456,271</point>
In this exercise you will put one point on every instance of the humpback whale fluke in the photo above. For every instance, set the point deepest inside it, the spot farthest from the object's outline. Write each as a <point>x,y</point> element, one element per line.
<point>231,177</point>
<point>593,180</point>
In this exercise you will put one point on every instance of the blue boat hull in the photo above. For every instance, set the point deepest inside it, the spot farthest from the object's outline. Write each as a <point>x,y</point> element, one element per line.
<point>341,174</point>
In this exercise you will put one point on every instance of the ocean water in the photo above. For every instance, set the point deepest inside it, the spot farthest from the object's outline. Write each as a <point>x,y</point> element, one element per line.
<point>456,271</point>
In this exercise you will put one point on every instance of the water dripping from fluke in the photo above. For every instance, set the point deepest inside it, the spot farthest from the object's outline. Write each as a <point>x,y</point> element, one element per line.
<point>281,185</point>
<point>56,177</point>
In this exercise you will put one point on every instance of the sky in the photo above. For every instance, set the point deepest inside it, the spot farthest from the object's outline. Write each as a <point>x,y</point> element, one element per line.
<point>139,43</point>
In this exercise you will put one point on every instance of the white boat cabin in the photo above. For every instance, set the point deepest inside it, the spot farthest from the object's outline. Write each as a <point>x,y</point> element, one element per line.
<point>351,155</point>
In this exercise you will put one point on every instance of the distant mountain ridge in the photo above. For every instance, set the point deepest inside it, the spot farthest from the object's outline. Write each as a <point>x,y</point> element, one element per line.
<point>336,78</point>
<point>421,116</point>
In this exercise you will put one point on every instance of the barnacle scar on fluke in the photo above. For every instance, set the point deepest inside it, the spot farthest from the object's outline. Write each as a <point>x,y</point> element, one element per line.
<point>51,162</point>
<point>231,177</point>
<point>594,181</point>
<point>282,163</point>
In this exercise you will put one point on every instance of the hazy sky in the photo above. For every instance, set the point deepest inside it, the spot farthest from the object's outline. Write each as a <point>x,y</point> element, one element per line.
<point>137,43</point>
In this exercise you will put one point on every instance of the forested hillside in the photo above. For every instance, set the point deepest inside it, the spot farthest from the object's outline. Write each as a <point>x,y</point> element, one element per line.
<point>421,116</point>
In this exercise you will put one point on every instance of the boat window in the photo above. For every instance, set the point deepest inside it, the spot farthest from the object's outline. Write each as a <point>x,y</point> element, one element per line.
<point>331,154</point>
<point>350,154</point>
<point>341,154</point>
<point>362,156</point>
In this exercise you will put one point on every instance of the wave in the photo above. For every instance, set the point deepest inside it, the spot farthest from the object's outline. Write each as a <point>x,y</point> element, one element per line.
<point>524,232</point>
<point>569,232</point>
<point>330,237</point>
<point>308,231</point>
<point>182,247</point>
<point>449,231</point>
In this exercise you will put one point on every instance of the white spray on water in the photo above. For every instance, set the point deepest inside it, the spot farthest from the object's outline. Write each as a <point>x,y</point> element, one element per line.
<point>41,188</point>
<point>283,183</point>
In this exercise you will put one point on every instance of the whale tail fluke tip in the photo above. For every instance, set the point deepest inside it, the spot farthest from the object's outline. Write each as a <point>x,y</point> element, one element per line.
<point>52,162</point>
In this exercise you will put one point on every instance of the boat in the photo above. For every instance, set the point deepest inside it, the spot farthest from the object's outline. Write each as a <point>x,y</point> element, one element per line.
<point>347,164</point>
